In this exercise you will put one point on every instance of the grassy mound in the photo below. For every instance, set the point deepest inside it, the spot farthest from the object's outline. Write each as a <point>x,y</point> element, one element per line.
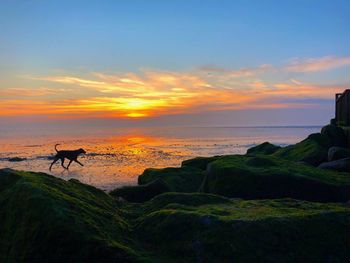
<point>260,177</point>
<point>206,228</point>
<point>46,219</point>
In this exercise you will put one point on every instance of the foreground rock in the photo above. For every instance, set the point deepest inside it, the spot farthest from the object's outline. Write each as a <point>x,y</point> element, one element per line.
<point>314,149</point>
<point>264,148</point>
<point>46,219</point>
<point>153,182</point>
<point>337,153</point>
<point>261,177</point>
<point>342,165</point>
<point>206,228</point>
<point>141,193</point>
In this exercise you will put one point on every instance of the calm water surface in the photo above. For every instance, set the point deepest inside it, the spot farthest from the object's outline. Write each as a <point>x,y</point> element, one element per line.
<point>116,157</point>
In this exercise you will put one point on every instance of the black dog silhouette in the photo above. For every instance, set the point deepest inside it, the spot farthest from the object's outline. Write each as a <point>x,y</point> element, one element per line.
<point>70,155</point>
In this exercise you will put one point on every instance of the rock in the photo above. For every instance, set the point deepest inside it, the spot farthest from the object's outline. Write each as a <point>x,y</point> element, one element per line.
<point>141,193</point>
<point>16,159</point>
<point>199,162</point>
<point>312,150</point>
<point>46,219</point>
<point>268,177</point>
<point>336,135</point>
<point>209,228</point>
<point>264,148</point>
<point>336,153</point>
<point>342,165</point>
<point>180,179</point>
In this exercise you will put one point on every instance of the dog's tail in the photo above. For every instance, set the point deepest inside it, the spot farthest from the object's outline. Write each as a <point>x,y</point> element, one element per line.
<point>56,147</point>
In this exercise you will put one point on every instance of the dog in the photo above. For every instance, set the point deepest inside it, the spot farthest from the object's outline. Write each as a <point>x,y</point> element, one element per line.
<point>70,155</point>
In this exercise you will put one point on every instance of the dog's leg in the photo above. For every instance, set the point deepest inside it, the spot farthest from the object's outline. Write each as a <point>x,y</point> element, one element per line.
<point>62,162</point>
<point>78,162</point>
<point>69,164</point>
<point>55,160</point>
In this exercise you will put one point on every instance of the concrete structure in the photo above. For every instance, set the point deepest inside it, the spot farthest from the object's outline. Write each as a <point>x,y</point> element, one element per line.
<point>342,108</point>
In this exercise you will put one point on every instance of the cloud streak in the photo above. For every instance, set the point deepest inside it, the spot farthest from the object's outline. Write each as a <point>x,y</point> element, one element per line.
<point>317,64</point>
<point>157,92</point>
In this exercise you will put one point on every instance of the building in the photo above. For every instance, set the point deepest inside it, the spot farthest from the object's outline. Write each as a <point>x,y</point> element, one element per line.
<point>342,108</point>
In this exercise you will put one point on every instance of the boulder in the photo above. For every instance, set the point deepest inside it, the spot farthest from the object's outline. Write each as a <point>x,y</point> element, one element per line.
<point>209,228</point>
<point>336,153</point>
<point>336,135</point>
<point>141,193</point>
<point>264,148</point>
<point>47,219</point>
<point>199,162</point>
<point>178,179</point>
<point>312,150</point>
<point>268,177</point>
<point>341,165</point>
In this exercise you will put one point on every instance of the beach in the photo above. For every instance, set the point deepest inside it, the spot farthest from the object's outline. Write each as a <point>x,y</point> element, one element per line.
<point>116,156</point>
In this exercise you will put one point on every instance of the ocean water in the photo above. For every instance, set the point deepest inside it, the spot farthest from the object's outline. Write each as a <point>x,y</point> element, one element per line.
<point>116,156</point>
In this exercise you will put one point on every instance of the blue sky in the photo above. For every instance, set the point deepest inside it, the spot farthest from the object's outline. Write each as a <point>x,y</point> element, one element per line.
<point>42,39</point>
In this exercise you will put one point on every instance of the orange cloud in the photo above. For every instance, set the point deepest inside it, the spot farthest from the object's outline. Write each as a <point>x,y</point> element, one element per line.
<point>153,93</point>
<point>317,64</point>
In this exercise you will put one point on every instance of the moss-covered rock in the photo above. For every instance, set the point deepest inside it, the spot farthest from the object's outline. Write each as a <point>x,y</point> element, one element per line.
<point>206,228</point>
<point>46,219</point>
<point>153,182</point>
<point>260,177</point>
<point>312,150</point>
<point>141,193</point>
<point>336,135</point>
<point>341,165</point>
<point>199,162</point>
<point>183,179</point>
<point>264,148</point>
<point>337,153</point>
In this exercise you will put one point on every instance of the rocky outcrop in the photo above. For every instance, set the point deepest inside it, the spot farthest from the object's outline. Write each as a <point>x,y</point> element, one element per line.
<point>336,153</point>
<point>261,177</point>
<point>341,165</point>
<point>264,148</point>
<point>141,193</point>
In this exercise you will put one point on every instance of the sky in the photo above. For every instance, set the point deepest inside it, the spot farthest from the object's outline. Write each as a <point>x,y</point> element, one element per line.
<point>210,63</point>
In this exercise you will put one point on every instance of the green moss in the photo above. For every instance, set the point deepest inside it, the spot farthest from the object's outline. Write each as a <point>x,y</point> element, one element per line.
<point>256,177</point>
<point>199,162</point>
<point>141,193</point>
<point>264,148</point>
<point>44,218</point>
<point>184,179</point>
<point>312,150</point>
<point>244,231</point>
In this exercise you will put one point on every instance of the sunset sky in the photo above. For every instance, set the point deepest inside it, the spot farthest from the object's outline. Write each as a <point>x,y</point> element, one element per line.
<point>173,62</point>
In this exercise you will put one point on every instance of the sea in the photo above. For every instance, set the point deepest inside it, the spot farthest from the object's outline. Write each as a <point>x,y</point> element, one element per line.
<point>116,156</point>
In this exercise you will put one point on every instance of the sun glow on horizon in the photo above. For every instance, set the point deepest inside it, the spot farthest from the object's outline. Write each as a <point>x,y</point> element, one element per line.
<point>155,93</point>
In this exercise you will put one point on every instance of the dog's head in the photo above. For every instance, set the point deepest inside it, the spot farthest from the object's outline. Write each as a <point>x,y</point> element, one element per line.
<point>81,150</point>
